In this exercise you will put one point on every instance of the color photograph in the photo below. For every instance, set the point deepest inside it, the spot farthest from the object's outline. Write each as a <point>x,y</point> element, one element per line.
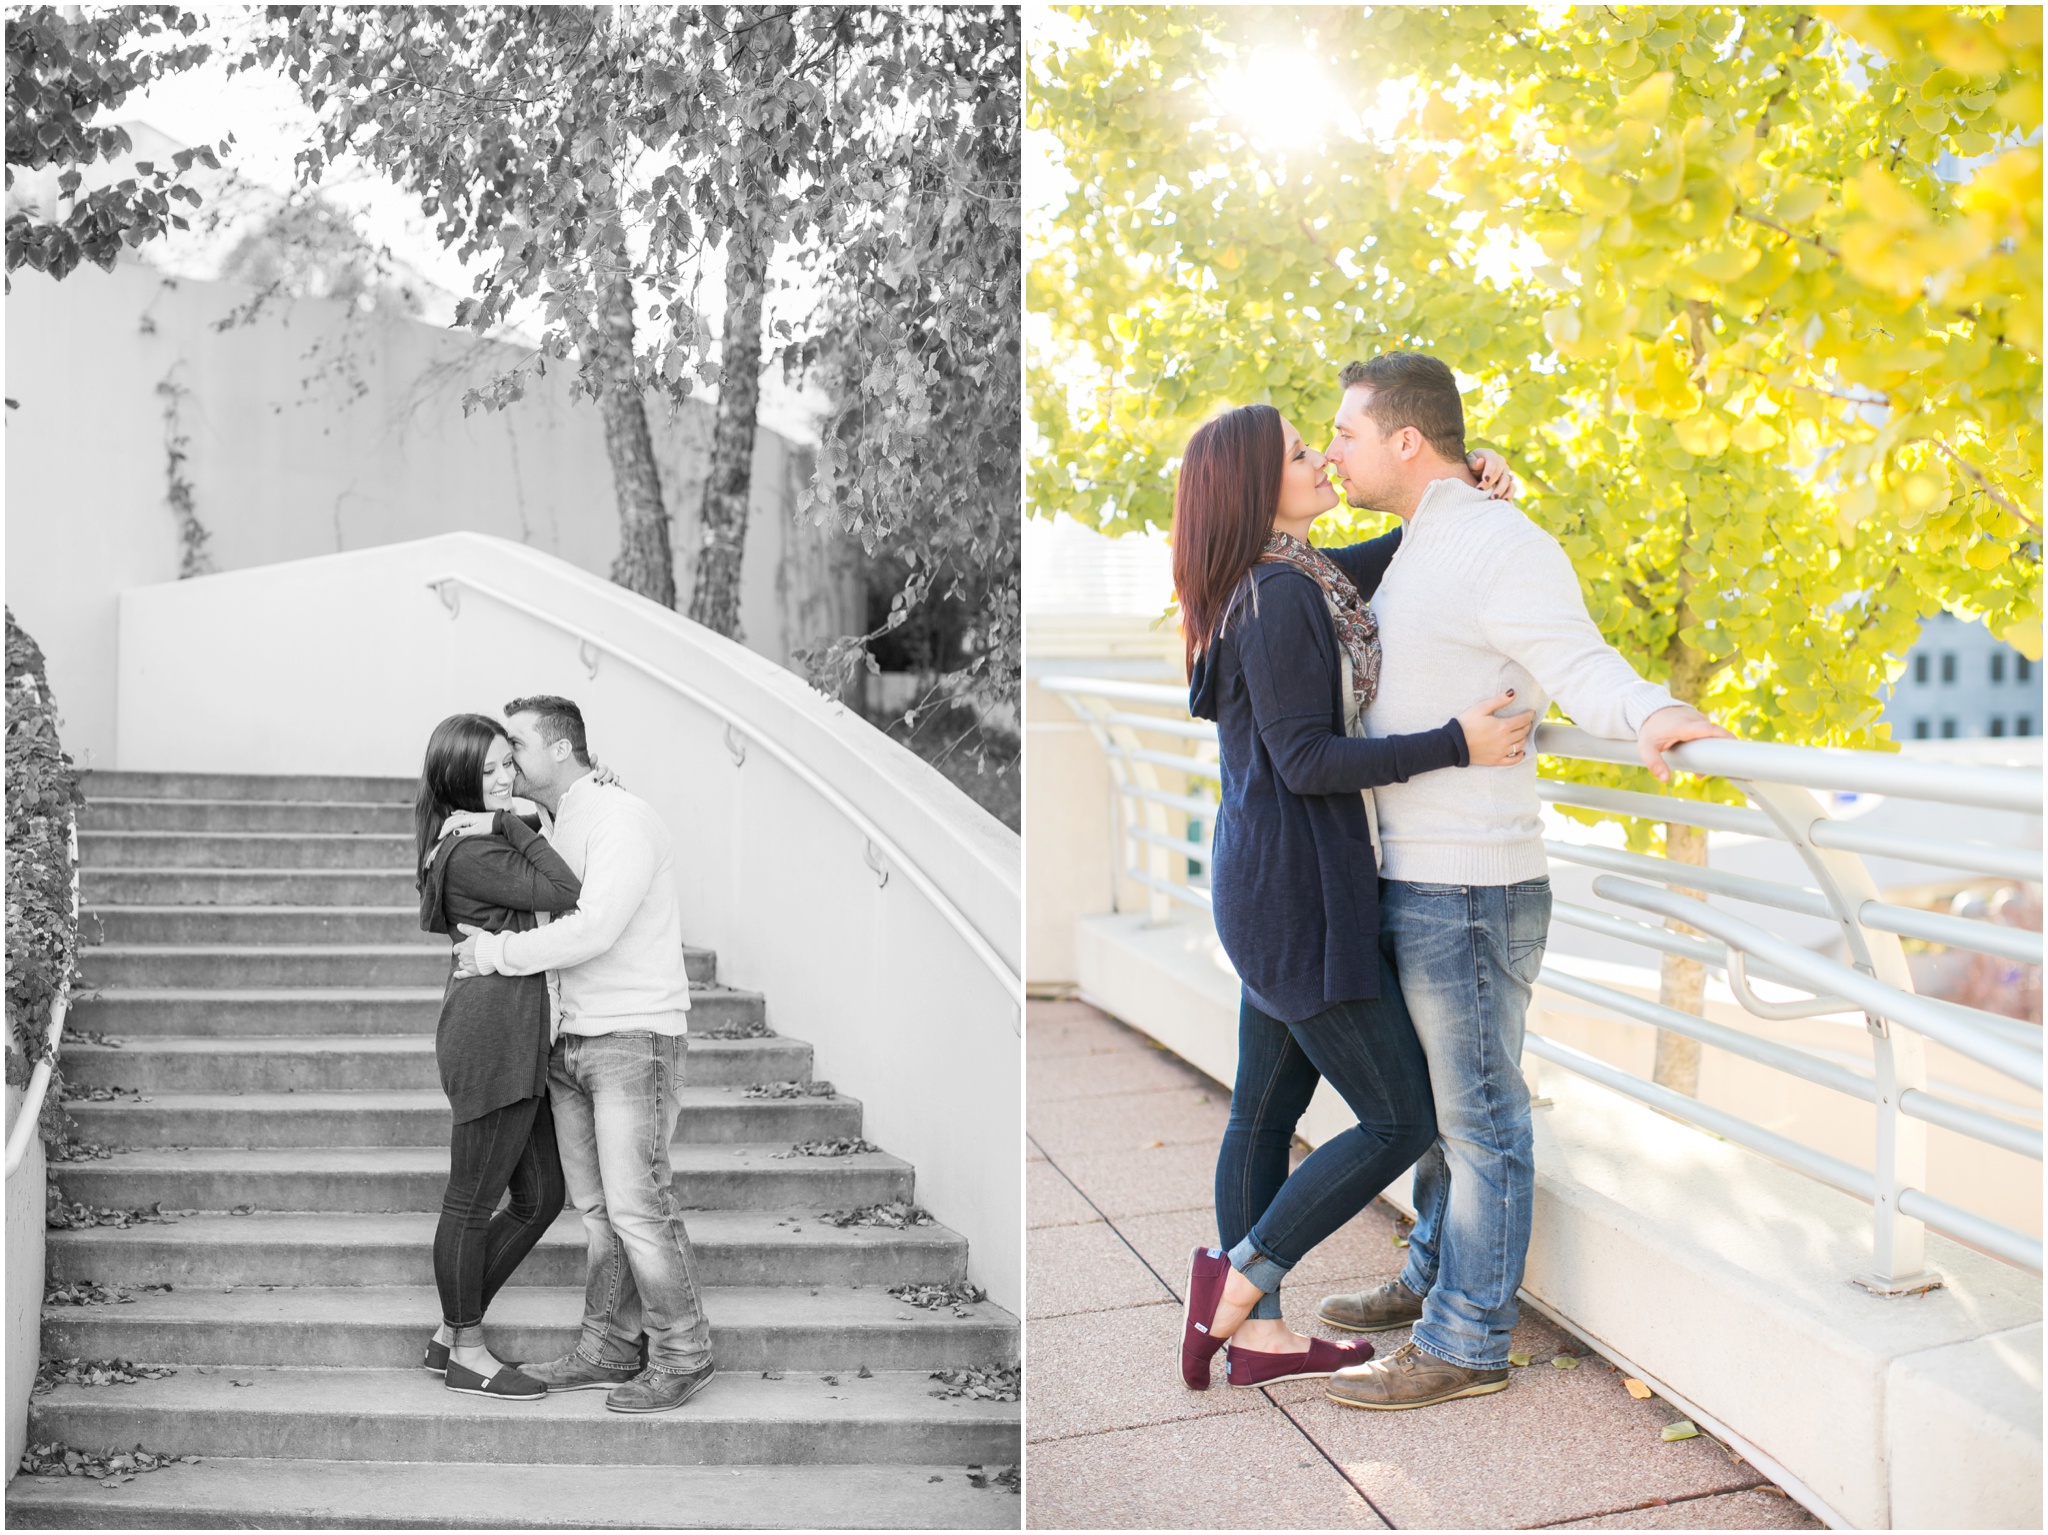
<point>1532,722</point>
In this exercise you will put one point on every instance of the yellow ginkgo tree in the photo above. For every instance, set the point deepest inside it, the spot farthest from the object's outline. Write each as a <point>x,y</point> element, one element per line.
<point>1749,295</point>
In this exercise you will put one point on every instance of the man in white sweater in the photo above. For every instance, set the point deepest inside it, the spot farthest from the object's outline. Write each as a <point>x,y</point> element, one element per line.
<point>1477,600</point>
<point>615,1070</point>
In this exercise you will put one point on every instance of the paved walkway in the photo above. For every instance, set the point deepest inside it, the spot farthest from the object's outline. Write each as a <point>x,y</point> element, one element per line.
<point>1123,1141</point>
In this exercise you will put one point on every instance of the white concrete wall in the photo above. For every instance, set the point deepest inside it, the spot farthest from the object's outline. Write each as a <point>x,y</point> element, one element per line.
<point>343,664</point>
<point>25,1239</point>
<point>287,460</point>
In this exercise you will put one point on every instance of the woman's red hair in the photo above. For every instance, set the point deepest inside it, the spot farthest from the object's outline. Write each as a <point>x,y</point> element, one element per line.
<point>1223,509</point>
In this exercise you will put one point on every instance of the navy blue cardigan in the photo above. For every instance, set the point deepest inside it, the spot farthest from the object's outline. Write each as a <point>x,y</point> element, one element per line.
<point>1295,887</point>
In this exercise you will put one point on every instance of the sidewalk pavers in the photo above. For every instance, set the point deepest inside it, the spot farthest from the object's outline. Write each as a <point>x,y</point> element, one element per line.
<point>1122,1149</point>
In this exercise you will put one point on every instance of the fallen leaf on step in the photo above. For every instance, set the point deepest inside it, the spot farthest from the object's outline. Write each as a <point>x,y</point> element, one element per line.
<point>241,1383</point>
<point>1518,1359</point>
<point>1151,1145</point>
<point>1565,1362</point>
<point>771,1375</point>
<point>1637,1389</point>
<point>866,1373</point>
<point>243,1210</point>
<point>935,1479</point>
<point>1399,1240</point>
<point>831,1380</point>
<point>1682,1429</point>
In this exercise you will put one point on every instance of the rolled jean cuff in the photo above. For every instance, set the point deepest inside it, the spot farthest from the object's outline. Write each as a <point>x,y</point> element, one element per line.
<point>1262,1269</point>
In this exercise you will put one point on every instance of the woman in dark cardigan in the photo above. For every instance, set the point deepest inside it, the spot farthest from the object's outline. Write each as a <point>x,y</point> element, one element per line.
<point>482,865</point>
<point>1283,654</point>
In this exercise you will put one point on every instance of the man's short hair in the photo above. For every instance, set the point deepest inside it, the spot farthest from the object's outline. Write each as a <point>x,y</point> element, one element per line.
<point>556,718</point>
<point>1413,389</point>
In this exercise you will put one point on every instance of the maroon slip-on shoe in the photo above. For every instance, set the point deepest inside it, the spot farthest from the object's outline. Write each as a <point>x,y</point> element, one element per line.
<point>1208,1269</point>
<point>1243,1367</point>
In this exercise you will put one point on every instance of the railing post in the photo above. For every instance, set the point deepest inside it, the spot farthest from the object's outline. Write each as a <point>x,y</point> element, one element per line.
<point>1898,1243</point>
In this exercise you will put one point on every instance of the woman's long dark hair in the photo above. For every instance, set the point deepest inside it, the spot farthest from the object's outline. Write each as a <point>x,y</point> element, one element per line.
<point>1223,509</point>
<point>451,779</point>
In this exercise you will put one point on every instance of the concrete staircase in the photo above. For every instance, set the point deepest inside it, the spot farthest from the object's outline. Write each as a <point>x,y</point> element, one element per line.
<point>260,964</point>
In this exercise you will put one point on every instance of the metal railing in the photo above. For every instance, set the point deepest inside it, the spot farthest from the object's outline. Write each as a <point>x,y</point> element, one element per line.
<point>1165,778</point>
<point>31,1110</point>
<point>879,843</point>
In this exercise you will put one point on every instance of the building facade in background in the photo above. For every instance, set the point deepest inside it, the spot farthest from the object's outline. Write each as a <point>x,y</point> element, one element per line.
<point>1962,684</point>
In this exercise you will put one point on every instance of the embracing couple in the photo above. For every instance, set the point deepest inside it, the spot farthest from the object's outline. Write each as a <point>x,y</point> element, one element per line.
<point>1379,877</point>
<point>560,1047</point>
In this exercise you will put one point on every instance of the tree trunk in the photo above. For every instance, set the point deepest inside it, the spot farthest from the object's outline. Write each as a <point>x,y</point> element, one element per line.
<point>715,599</point>
<point>645,563</point>
<point>1682,983</point>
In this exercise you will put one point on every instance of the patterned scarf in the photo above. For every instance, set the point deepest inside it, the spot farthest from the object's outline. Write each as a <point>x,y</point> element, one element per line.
<point>1357,630</point>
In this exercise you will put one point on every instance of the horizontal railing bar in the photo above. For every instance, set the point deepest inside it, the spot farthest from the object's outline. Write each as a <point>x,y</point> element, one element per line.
<point>1191,894</point>
<point>1660,807</point>
<point>1738,887</point>
<point>1109,687</point>
<point>1201,809</point>
<point>1968,1227</point>
<point>1705,950</point>
<point>1974,1123</point>
<point>1193,730</point>
<point>1817,1165</point>
<point>1763,1051</point>
<point>1955,932</point>
<point>1818,767</point>
<point>1178,762</point>
<point>1199,851</point>
<point>1978,857</point>
<point>1825,976</point>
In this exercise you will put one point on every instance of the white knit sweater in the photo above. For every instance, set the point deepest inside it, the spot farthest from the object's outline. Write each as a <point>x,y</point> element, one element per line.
<point>620,952</point>
<point>1479,599</point>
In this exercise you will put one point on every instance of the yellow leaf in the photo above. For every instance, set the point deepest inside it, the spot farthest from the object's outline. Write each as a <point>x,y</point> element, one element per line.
<point>1925,493</point>
<point>1561,326</point>
<point>1875,193</point>
<point>1986,554</point>
<point>1800,201</point>
<point>2025,638</point>
<point>1518,1360</point>
<point>1648,102</point>
<point>1637,1389</point>
<point>1723,266</point>
<point>1440,119</point>
<point>1754,434</point>
<point>1704,435</point>
<point>1682,1429</point>
<point>1564,1362</point>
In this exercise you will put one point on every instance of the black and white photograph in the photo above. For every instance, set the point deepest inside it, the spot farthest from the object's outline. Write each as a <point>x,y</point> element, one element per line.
<point>514,878</point>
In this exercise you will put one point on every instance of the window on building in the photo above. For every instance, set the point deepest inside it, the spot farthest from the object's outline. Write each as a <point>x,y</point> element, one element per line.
<point>1920,667</point>
<point>2022,669</point>
<point>1998,724</point>
<point>1948,730</point>
<point>1948,666</point>
<point>1919,730</point>
<point>1997,669</point>
<point>2023,726</point>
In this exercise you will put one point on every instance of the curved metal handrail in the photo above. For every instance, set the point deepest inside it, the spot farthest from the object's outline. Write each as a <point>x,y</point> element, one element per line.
<point>1778,780</point>
<point>940,901</point>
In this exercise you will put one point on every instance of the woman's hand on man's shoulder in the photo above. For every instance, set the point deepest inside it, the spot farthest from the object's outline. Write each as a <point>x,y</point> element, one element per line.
<point>469,823</point>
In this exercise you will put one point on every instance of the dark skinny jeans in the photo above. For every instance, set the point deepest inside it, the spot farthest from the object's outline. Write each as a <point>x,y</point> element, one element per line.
<point>476,1250</point>
<point>1269,1221</point>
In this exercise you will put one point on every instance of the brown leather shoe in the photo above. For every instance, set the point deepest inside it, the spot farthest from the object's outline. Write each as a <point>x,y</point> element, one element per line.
<point>1379,1309</point>
<point>1408,1377</point>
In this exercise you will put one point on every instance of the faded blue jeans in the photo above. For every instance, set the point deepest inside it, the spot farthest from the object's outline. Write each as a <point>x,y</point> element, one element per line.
<point>1467,956</point>
<point>615,1102</point>
<point>1267,1219</point>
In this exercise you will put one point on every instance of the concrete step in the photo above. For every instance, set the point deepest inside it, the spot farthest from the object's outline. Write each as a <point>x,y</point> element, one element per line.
<point>368,1062</point>
<point>742,1177</point>
<point>384,1415</point>
<point>244,850</point>
<point>155,1012</point>
<point>420,1117</point>
<point>248,887</point>
<point>154,965</point>
<point>405,963</point>
<point>733,1247</point>
<point>264,923</point>
<point>384,1327</point>
<point>107,814</point>
<point>101,784</point>
<point>224,1494</point>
